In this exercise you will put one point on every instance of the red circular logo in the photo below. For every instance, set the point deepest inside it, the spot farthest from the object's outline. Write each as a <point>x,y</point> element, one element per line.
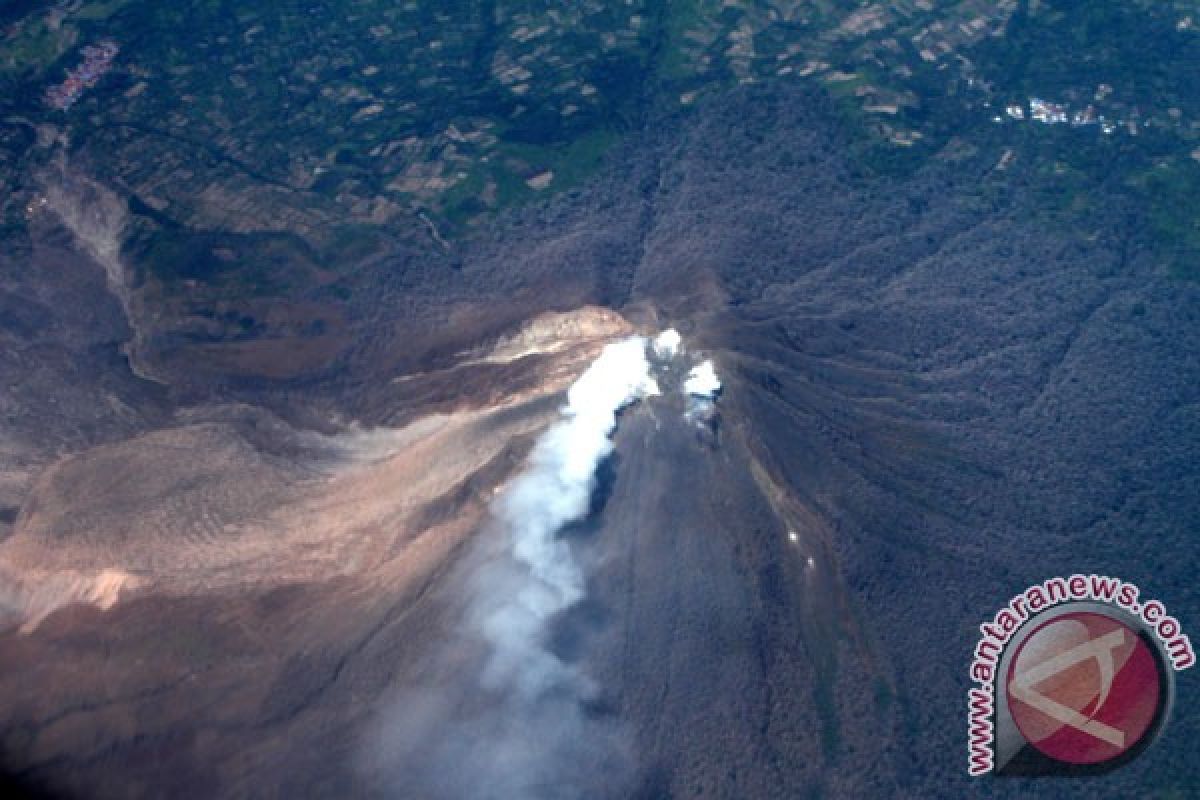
<point>1084,688</point>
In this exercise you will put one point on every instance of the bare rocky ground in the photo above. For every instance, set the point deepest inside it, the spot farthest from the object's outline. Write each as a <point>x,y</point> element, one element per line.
<point>944,394</point>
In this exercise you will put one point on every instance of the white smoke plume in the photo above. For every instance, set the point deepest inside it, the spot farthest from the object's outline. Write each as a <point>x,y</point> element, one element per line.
<point>702,381</point>
<point>701,387</point>
<point>520,727</point>
<point>667,343</point>
<point>552,493</point>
